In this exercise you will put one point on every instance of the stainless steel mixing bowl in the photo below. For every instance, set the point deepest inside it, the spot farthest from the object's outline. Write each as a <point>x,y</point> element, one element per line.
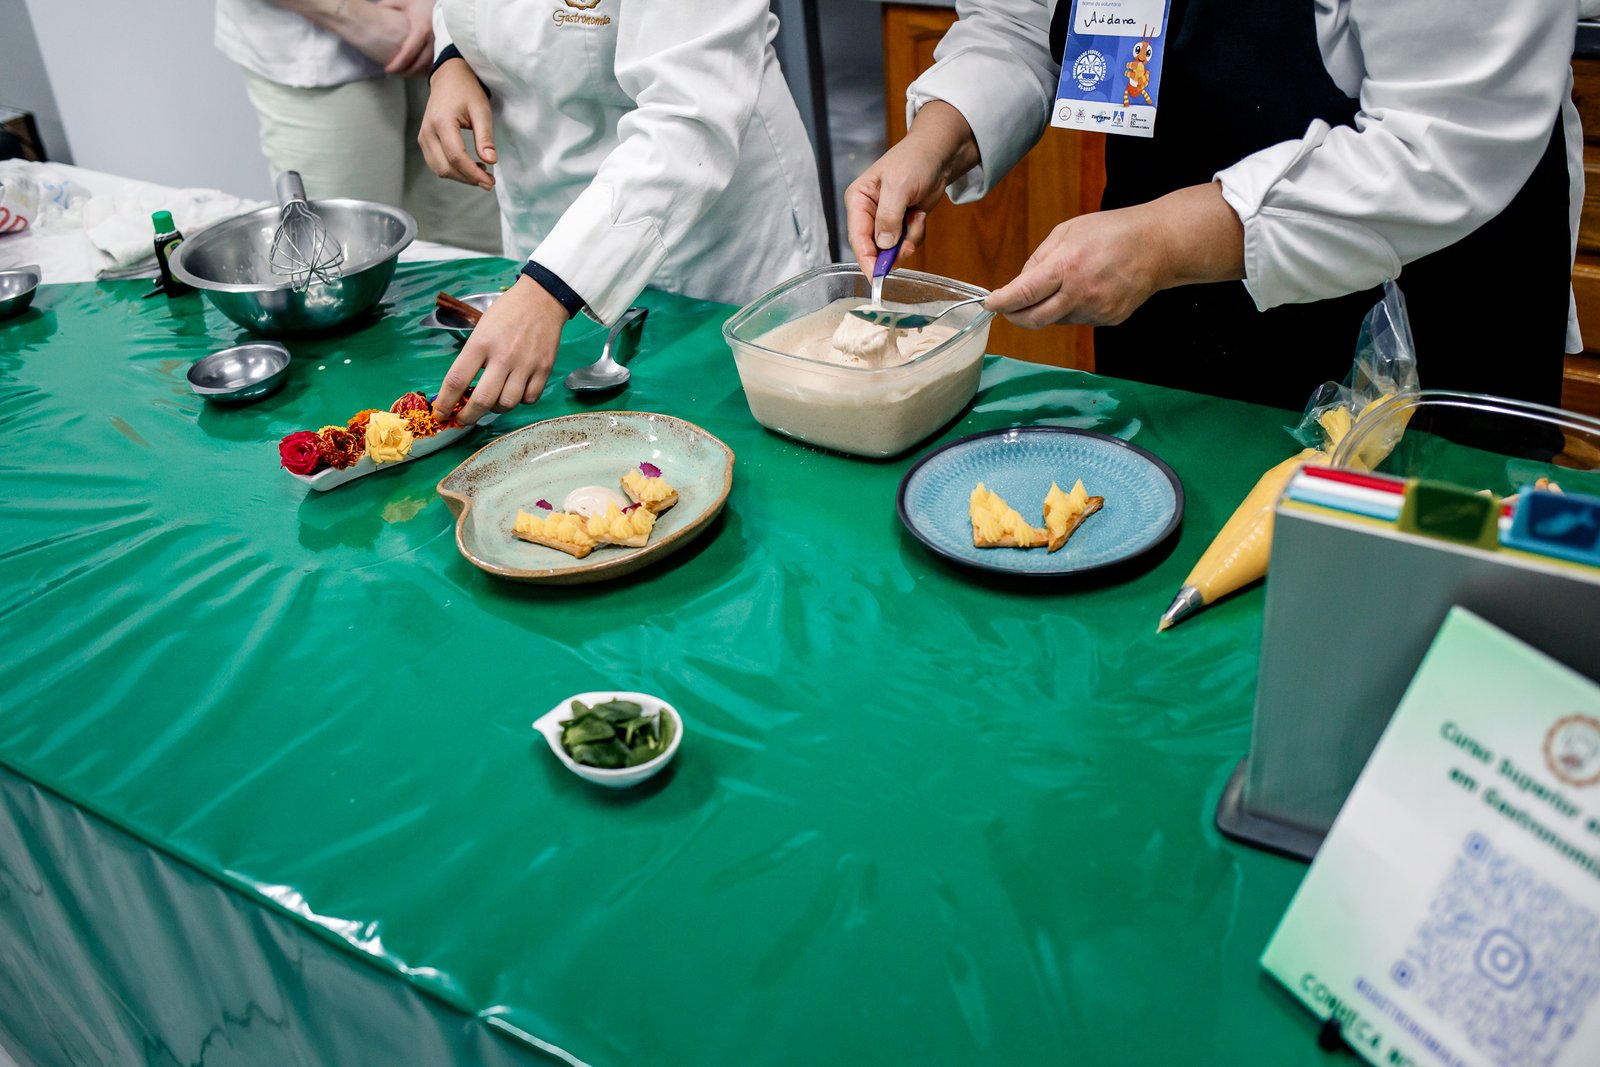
<point>17,287</point>
<point>241,373</point>
<point>229,263</point>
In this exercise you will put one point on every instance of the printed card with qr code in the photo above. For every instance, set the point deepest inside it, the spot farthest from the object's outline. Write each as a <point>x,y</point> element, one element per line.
<point>1452,916</point>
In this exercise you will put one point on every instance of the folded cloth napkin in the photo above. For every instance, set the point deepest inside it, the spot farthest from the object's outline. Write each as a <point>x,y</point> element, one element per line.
<point>111,213</point>
<point>121,240</point>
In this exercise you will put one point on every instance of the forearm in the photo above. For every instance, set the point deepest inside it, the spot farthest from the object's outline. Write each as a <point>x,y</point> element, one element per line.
<point>340,16</point>
<point>1196,237</point>
<point>944,132</point>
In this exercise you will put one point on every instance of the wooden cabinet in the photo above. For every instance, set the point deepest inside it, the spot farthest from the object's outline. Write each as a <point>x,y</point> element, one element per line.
<point>986,243</point>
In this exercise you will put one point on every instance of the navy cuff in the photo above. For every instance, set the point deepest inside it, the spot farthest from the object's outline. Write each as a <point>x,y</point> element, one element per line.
<point>555,287</point>
<point>452,52</point>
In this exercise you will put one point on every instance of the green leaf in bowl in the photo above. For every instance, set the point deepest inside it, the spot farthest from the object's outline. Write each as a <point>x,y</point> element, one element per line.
<point>609,755</point>
<point>588,729</point>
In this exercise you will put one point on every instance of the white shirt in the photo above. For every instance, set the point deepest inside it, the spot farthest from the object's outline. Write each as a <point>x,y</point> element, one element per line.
<point>1456,106</point>
<point>287,48</point>
<point>644,142</point>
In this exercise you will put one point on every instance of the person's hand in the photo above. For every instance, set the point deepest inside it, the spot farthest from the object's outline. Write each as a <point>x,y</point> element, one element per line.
<point>1094,269</point>
<point>906,182</point>
<point>415,54</point>
<point>514,344</point>
<point>456,102</point>
<point>1098,268</point>
<point>377,31</point>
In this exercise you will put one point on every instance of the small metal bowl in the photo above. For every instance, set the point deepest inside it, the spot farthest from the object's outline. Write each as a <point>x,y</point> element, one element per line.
<point>242,373</point>
<point>17,287</point>
<point>443,319</point>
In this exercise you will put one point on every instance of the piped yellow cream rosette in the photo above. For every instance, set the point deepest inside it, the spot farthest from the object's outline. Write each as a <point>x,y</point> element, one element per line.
<point>1238,554</point>
<point>996,524</point>
<point>647,488</point>
<point>560,530</point>
<point>630,528</point>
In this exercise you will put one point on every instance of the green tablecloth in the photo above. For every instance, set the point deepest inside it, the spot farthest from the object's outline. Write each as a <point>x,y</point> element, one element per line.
<point>917,817</point>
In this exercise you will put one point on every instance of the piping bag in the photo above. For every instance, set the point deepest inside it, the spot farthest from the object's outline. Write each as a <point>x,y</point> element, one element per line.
<point>1385,365</point>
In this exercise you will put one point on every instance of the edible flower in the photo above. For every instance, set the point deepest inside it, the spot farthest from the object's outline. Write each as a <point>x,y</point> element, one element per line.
<point>543,504</point>
<point>388,437</point>
<point>358,421</point>
<point>301,453</point>
<point>340,447</point>
<point>649,470</point>
<point>412,401</point>
<point>422,422</point>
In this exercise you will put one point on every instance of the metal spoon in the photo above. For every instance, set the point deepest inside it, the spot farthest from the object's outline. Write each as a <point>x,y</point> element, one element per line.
<point>607,372</point>
<point>908,320</point>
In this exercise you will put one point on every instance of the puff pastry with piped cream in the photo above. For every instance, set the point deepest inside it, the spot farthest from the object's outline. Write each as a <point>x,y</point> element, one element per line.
<point>996,524</point>
<point>1064,512</point>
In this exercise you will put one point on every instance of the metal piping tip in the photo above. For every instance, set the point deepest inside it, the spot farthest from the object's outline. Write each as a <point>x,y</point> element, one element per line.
<point>1186,603</point>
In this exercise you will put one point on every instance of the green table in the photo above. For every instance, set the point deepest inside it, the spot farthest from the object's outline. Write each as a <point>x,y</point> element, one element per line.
<point>918,817</point>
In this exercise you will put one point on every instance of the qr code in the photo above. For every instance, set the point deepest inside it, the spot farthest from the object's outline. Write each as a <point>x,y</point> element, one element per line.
<point>1505,957</point>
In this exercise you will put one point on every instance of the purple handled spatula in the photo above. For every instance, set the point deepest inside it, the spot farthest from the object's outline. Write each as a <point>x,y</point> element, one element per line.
<point>883,265</point>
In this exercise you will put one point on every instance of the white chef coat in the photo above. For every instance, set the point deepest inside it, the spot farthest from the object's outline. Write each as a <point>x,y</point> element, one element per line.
<point>1456,102</point>
<point>644,142</point>
<point>287,48</point>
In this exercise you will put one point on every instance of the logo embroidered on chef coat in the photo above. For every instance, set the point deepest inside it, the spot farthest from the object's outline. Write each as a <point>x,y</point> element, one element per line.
<point>574,18</point>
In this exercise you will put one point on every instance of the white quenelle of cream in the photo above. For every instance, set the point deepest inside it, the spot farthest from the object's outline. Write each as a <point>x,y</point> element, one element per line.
<point>832,335</point>
<point>592,500</point>
<point>868,342</point>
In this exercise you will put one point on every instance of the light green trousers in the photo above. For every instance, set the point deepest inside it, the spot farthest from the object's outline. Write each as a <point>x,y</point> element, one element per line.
<point>360,140</point>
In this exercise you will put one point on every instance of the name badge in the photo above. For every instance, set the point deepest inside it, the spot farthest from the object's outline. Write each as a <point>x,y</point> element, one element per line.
<point>1111,66</point>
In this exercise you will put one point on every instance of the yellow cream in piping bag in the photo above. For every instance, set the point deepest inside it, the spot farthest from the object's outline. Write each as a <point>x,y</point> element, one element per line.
<point>1238,554</point>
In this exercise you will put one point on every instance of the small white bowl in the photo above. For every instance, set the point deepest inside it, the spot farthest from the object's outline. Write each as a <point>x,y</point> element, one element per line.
<point>549,724</point>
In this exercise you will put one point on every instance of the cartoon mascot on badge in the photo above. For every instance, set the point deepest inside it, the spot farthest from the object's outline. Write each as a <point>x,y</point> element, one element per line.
<point>1137,73</point>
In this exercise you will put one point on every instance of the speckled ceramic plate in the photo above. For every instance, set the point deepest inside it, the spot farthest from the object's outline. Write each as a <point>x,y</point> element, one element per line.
<point>549,459</point>
<point>1144,500</point>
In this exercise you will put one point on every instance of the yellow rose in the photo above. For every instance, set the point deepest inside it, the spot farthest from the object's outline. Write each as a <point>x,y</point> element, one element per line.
<point>388,437</point>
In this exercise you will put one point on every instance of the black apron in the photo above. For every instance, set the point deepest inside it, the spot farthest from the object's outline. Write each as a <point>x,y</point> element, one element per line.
<point>1488,314</point>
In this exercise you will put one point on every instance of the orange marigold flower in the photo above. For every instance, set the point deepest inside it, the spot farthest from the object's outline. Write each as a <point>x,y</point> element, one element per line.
<point>421,421</point>
<point>358,422</point>
<point>340,447</point>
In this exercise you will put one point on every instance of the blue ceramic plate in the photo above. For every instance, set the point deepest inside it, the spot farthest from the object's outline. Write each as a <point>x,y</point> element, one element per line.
<point>1144,500</point>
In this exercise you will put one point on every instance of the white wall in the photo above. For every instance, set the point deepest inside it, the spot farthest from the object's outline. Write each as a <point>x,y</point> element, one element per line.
<point>24,84</point>
<point>143,93</point>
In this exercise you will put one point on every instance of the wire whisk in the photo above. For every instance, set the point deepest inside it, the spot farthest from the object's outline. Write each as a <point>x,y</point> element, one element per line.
<point>302,248</point>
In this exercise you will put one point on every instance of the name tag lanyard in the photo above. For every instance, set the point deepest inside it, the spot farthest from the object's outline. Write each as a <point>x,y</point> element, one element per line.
<point>1111,67</point>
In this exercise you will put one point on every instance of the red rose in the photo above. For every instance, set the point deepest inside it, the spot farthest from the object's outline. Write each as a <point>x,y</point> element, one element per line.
<point>301,453</point>
<point>410,402</point>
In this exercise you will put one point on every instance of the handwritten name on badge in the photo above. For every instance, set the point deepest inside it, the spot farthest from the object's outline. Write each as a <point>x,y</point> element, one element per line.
<point>1111,67</point>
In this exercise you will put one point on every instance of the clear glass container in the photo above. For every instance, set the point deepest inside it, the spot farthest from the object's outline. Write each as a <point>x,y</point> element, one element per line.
<point>1477,441</point>
<point>866,411</point>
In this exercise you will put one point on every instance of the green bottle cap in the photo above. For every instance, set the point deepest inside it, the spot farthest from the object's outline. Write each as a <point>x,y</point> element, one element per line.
<point>163,221</point>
